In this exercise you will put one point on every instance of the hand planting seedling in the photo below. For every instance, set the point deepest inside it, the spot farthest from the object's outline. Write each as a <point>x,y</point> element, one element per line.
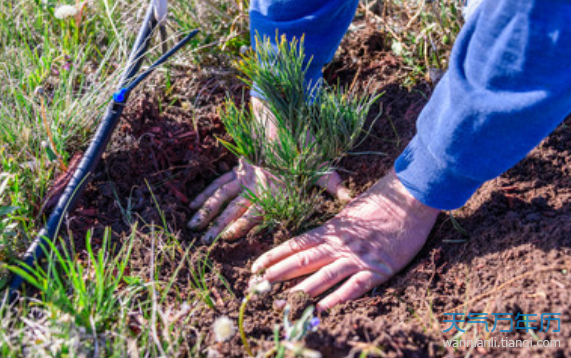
<point>287,145</point>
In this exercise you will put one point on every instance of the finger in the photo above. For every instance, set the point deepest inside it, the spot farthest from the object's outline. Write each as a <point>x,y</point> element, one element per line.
<point>327,277</point>
<point>333,184</point>
<point>234,210</point>
<point>300,264</point>
<point>211,189</point>
<point>243,225</point>
<point>288,248</point>
<point>213,205</point>
<point>355,287</point>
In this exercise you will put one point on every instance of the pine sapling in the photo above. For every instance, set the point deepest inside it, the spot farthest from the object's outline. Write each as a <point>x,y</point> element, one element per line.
<point>312,126</point>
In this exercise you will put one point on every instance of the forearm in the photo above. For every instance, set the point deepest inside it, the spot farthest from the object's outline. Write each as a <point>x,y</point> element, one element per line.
<point>322,23</point>
<point>508,86</point>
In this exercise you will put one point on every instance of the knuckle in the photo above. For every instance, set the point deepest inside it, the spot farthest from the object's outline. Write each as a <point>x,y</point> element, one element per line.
<point>243,203</point>
<point>267,258</point>
<point>242,172</point>
<point>201,214</point>
<point>362,282</point>
<point>312,238</point>
<point>223,190</point>
<point>217,196</point>
<point>302,259</point>
<point>329,274</point>
<point>270,275</point>
<point>294,245</point>
<point>208,205</point>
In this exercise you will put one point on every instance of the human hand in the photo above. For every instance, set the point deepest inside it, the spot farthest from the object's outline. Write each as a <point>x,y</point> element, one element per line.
<point>368,242</point>
<point>241,216</point>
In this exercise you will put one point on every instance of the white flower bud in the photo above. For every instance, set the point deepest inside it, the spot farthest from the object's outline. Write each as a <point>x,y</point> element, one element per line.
<point>185,307</point>
<point>223,328</point>
<point>39,91</point>
<point>243,49</point>
<point>44,144</point>
<point>65,11</point>
<point>262,287</point>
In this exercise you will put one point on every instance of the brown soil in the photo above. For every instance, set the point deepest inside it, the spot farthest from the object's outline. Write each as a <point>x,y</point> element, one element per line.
<point>516,230</point>
<point>170,154</point>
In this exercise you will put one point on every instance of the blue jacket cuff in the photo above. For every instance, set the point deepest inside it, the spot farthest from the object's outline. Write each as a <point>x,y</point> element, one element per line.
<point>430,180</point>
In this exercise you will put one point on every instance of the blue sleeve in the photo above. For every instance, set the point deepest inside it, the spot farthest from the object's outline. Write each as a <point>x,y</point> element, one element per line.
<point>322,22</point>
<point>508,86</point>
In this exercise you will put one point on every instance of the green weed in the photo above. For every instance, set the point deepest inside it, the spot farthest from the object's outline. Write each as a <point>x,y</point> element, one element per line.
<point>421,32</point>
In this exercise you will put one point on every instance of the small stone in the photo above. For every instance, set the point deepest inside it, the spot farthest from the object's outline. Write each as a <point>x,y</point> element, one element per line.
<point>279,305</point>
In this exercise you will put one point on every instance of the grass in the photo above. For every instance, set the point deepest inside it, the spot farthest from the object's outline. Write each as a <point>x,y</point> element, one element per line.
<point>99,304</point>
<point>64,58</point>
<point>422,33</point>
<point>56,77</point>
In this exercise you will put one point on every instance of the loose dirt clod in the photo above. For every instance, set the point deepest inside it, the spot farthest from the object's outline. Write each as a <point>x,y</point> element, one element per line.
<point>298,302</point>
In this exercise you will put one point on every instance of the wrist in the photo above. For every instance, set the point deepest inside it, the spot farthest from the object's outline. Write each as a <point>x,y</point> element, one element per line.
<point>391,189</point>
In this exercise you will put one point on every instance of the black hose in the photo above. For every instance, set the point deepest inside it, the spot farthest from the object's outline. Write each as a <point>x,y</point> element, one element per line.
<point>90,160</point>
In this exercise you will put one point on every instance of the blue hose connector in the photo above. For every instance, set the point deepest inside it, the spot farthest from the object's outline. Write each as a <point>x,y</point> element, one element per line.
<point>119,96</point>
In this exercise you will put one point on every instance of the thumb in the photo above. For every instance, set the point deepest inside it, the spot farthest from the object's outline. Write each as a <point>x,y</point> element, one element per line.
<point>333,184</point>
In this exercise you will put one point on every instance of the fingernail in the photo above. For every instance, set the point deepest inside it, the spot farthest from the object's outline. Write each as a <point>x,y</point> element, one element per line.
<point>232,234</point>
<point>227,235</point>
<point>194,223</point>
<point>197,220</point>
<point>207,239</point>
<point>254,280</point>
<point>345,195</point>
